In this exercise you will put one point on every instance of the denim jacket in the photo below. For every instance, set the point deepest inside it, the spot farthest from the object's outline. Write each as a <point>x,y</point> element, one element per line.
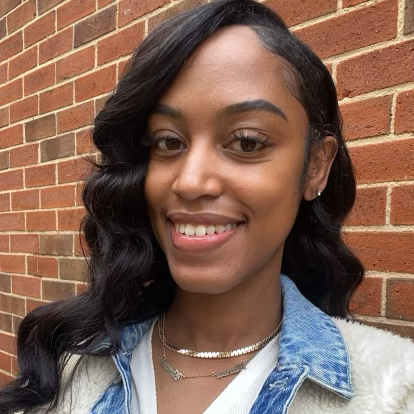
<point>311,347</point>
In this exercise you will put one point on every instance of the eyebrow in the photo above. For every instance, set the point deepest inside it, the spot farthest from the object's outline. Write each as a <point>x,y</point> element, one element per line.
<point>260,105</point>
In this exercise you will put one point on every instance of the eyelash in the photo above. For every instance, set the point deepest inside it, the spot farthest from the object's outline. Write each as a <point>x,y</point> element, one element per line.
<point>236,136</point>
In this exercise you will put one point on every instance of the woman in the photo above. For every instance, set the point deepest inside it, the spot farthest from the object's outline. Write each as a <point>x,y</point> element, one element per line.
<point>223,166</point>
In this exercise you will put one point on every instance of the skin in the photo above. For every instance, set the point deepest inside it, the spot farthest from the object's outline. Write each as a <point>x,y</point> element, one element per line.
<point>227,297</point>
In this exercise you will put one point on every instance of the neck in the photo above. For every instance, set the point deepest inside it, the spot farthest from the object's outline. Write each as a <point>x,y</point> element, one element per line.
<point>221,322</point>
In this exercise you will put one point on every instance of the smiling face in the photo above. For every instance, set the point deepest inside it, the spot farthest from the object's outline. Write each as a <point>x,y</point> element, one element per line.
<point>223,181</point>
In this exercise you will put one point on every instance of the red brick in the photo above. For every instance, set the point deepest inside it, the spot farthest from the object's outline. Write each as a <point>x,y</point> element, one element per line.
<point>8,343</point>
<point>56,45</point>
<point>11,264</point>
<point>45,5</point>
<point>408,17</point>
<point>40,128</point>
<point>4,116</point>
<point>7,5</point>
<point>73,269</point>
<point>79,191</point>
<point>54,290</point>
<point>11,46</point>
<point>62,146</point>
<point>11,180</point>
<point>75,63</point>
<point>95,83</point>
<point>383,251</point>
<point>3,28</point>
<point>100,103</point>
<point>25,200</point>
<point>22,15</point>
<point>4,160</point>
<point>11,92</point>
<point>120,44</point>
<point>184,6</point>
<point>84,143</point>
<point>402,205</point>
<point>39,79</point>
<point>3,73</point>
<point>24,243</point>
<point>26,286</point>
<point>389,161</point>
<point>4,244</point>
<point>40,175</point>
<point>5,362</point>
<point>350,31</point>
<point>25,155</point>
<point>129,10</point>
<point>11,136</point>
<point>70,219</point>
<point>95,26</point>
<point>24,108</point>
<point>11,221</point>
<point>41,221</point>
<point>367,118</point>
<point>42,266</point>
<point>400,299</point>
<point>15,365</point>
<point>39,29</point>
<point>294,12</point>
<point>22,63</point>
<point>4,202</point>
<point>75,117</point>
<point>73,170</point>
<point>81,287</point>
<point>81,247</point>
<point>5,282</point>
<point>58,196</point>
<point>349,3</point>
<point>404,115</point>
<point>376,70</point>
<point>32,304</point>
<point>369,207</point>
<point>56,98</point>
<point>103,3</point>
<point>74,11</point>
<point>6,322</point>
<point>5,379</point>
<point>122,68</point>
<point>56,245</point>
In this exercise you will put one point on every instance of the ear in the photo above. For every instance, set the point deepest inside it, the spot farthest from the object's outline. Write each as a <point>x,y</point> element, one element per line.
<point>319,166</point>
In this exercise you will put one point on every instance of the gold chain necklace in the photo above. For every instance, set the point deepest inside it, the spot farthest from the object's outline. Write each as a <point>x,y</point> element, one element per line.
<point>214,354</point>
<point>176,375</point>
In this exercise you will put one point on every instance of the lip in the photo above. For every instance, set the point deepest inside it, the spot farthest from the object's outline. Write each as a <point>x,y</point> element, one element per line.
<point>200,244</point>
<point>202,218</point>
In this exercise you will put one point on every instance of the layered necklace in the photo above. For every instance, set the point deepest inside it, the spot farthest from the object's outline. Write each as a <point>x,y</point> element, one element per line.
<point>177,375</point>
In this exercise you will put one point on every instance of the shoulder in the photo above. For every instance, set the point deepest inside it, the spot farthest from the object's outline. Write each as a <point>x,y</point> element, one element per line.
<point>84,381</point>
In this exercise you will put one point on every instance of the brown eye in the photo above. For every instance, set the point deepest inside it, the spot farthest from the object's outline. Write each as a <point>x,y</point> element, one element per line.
<point>169,144</point>
<point>246,145</point>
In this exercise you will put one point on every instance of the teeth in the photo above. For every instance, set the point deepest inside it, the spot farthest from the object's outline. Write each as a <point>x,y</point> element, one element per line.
<point>202,230</point>
<point>189,230</point>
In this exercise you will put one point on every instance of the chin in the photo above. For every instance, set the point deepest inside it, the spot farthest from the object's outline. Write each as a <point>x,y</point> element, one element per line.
<point>206,284</point>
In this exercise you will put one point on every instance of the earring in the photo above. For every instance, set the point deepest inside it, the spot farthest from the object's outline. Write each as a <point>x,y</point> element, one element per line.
<point>318,193</point>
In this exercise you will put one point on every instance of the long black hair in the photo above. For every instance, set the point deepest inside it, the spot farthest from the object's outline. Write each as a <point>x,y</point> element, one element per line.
<point>128,273</point>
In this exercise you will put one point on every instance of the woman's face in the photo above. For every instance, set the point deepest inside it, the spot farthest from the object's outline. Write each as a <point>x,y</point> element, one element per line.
<point>223,182</point>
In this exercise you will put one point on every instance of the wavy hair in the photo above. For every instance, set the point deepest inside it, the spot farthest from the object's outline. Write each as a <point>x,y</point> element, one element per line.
<point>129,280</point>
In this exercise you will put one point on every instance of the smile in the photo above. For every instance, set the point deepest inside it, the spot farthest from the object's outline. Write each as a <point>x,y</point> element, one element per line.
<point>203,230</point>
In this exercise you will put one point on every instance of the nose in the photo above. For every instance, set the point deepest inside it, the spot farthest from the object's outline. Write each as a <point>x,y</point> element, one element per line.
<point>198,174</point>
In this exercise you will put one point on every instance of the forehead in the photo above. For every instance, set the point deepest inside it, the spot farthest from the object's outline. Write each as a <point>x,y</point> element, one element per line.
<point>228,67</point>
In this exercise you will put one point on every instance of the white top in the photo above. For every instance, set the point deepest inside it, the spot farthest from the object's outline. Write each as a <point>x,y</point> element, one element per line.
<point>237,398</point>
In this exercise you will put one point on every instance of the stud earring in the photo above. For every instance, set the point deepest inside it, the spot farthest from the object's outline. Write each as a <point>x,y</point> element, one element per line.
<point>318,193</point>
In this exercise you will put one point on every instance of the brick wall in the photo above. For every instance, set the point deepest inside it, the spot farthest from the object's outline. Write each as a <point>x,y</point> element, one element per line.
<point>59,59</point>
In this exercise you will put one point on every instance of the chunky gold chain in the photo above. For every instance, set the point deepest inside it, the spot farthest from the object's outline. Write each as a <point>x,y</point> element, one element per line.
<point>213,354</point>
